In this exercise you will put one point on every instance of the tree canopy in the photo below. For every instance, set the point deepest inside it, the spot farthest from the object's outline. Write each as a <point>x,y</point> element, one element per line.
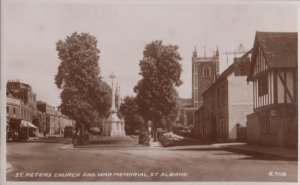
<point>84,96</point>
<point>160,71</point>
<point>133,120</point>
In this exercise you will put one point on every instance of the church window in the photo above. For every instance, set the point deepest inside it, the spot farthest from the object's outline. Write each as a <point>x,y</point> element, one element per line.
<point>206,71</point>
<point>206,84</point>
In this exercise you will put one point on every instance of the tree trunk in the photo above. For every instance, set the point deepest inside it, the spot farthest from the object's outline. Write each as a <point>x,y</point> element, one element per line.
<point>83,135</point>
<point>155,122</point>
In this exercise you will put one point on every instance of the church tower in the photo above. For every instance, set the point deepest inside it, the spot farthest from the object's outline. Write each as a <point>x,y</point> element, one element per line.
<point>205,70</point>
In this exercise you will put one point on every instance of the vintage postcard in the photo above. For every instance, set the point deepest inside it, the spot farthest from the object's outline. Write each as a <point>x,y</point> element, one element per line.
<point>101,91</point>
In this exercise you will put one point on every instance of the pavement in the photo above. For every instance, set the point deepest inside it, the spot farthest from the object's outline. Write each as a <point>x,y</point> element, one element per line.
<point>155,144</point>
<point>50,139</point>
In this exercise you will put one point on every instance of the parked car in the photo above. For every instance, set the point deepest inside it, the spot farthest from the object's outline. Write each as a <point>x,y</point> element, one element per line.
<point>167,139</point>
<point>68,131</point>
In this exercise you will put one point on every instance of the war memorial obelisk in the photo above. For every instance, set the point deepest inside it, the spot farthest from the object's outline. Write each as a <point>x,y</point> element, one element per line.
<point>113,125</point>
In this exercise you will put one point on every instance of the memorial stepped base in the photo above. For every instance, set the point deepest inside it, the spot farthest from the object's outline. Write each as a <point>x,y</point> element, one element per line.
<point>113,140</point>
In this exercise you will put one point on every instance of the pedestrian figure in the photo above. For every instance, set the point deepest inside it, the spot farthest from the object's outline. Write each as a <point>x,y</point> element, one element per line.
<point>45,133</point>
<point>74,138</point>
<point>144,138</point>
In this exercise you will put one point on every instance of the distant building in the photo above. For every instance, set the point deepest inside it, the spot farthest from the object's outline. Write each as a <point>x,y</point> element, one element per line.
<point>41,120</point>
<point>50,113</point>
<point>226,104</point>
<point>186,112</point>
<point>54,121</point>
<point>23,108</point>
<point>199,129</point>
<point>20,110</point>
<point>27,97</point>
<point>274,74</point>
<point>205,70</point>
<point>64,121</point>
<point>13,107</point>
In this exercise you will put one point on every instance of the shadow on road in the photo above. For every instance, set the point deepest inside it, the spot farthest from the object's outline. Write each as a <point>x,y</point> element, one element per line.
<point>229,153</point>
<point>268,158</point>
<point>195,149</point>
<point>259,156</point>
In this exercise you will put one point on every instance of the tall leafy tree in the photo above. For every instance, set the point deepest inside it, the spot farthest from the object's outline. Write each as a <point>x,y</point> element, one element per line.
<point>84,96</point>
<point>160,71</point>
<point>129,110</point>
<point>170,118</point>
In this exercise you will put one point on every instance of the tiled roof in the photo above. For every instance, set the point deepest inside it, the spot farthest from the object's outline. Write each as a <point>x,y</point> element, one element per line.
<point>279,48</point>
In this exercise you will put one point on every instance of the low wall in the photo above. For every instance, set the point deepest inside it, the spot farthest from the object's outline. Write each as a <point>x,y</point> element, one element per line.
<point>253,129</point>
<point>284,125</point>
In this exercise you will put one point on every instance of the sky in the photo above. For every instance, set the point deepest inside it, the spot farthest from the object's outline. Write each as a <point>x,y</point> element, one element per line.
<point>123,29</point>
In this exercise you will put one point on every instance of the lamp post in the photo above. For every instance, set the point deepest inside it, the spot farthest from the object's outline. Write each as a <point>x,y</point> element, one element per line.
<point>27,130</point>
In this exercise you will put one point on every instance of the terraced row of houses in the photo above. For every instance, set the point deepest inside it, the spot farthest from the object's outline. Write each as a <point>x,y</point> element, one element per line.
<point>24,110</point>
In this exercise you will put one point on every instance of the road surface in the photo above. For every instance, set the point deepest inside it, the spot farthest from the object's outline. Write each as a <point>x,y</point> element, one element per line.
<point>49,162</point>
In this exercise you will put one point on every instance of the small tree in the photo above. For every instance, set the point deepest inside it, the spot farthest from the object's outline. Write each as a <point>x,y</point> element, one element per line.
<point>161,71</point>
<point>133,120</point>
<point>84,96</point>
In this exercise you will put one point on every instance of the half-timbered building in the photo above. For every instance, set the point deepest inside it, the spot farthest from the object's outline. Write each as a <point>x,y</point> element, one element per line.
<point>273,71</point>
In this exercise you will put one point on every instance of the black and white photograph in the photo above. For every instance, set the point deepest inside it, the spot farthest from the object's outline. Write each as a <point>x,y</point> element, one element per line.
<point>149,91</point>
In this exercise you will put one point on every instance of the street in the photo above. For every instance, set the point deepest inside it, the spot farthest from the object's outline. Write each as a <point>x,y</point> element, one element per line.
<point>49,162</point>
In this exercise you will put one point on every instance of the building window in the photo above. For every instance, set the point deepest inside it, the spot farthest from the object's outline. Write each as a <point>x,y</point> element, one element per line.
<point>273,121</point>
<point>273,126</point>
<point>265,125</point>
<point>196,81</point>
<point>219,98</point>
<point>263,85</point>
<point>7,109</point>
<point>206,71</point>
<point>14,111</point>
<point>196,95</point>
<point>224,95</point>
<point>206,84</point>
<point>222,126</point>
